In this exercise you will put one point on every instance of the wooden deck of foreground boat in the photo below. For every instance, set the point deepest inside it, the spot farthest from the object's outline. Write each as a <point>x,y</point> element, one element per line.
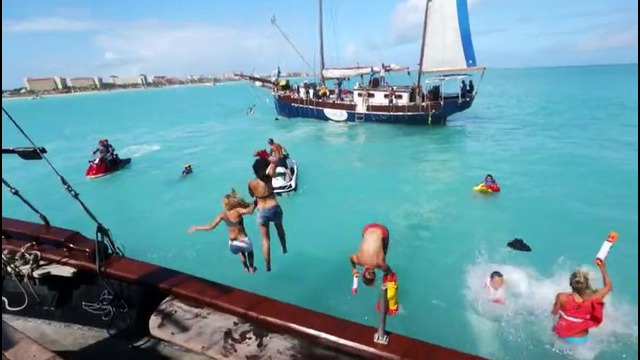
<point>73,249</point>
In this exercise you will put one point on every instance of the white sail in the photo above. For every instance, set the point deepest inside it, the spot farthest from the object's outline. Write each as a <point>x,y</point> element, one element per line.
<point>347,72</point>
<point>448,44</point>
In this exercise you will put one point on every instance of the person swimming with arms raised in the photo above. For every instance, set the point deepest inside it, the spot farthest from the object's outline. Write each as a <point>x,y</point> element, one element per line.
<point>187,170</point>
<point>372,253</point>
<point>582,308</point>
<point>495,284</point>
<point>232,215</point>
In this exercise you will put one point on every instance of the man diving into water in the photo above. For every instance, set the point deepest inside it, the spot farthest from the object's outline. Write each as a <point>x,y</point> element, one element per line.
<point>372,253</point>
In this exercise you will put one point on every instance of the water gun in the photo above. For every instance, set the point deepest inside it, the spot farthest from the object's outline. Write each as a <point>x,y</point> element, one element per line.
<point>606,246</point>
<point>354,286</point>
<point>391,283</point>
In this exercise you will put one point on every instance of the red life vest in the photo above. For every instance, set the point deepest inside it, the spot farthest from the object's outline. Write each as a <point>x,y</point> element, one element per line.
<point>577,317</point>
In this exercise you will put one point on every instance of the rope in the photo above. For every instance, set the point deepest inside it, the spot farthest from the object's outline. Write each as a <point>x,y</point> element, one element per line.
<point>9,266</point>
<point>104,306</point>
<point>273,22</point>
<point>104,233</point>
<point>479,82</point>
<point>15,192</point>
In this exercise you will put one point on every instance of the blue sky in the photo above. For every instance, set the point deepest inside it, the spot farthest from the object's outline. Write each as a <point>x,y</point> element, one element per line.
<point>86,38</point>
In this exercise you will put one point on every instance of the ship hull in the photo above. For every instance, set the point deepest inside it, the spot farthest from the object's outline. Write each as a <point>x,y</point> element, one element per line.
<point>434,113</point>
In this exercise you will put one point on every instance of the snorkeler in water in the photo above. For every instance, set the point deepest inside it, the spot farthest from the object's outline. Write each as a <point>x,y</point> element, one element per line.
<point>251,110</point>
<point>187,170</point>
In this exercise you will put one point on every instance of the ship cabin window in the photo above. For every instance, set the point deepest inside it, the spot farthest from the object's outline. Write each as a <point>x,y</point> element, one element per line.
<point>369,95</point>
<point>397,96</point>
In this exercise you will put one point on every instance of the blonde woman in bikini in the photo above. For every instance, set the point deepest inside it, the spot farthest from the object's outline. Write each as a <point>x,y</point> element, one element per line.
<point>239,243</point>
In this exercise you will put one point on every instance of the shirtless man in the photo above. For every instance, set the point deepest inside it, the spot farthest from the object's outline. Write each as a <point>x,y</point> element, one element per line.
<point>372,253</point>
<point>279,155</point>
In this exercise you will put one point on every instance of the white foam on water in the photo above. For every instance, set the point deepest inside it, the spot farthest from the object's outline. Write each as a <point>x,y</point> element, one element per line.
<point>139,150</point>
<point>525,320</point>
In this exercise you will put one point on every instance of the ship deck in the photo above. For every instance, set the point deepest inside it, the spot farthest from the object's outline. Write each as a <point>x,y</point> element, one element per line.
<point>342,336</point>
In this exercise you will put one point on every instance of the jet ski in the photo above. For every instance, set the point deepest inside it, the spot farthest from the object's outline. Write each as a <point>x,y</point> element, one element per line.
<point>101,167</point>
<point>281,181</point>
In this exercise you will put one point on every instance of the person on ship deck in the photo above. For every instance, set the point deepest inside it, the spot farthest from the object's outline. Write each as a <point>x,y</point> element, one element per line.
<point>582,308</point>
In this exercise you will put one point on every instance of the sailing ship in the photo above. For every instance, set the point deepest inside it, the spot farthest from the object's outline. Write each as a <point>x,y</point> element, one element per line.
<point>446,53</point>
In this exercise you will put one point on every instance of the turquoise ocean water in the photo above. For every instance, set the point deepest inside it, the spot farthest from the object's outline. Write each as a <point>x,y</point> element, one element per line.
<point>562,142</point>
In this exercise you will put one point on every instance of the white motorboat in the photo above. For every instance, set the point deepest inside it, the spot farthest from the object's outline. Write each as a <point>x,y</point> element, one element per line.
<point>282,182</point>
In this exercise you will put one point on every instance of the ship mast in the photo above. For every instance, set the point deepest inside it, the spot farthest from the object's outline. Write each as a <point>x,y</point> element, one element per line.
<point>424,35</point>
<point>321,41</point>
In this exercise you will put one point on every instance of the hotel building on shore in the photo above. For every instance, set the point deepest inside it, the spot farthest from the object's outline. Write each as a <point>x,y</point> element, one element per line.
<point>85,82</point>
<point>45,84</point>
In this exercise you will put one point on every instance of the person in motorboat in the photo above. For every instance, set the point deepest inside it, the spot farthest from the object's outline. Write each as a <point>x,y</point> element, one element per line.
<point>372,253</point>
<point>232,215</point>
<point>279,155</point>
<point>187,170</point>
<point>267,207</point>
<point>263,154</point>
<point>278,151</point>
<point>490,183</point>
<point>495,284</point>
<point>102,150</point>
<point>106,152</point>
<point>582,308</point>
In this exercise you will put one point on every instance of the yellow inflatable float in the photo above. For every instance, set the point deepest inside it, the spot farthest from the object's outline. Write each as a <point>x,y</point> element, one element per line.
<point>482,189</point>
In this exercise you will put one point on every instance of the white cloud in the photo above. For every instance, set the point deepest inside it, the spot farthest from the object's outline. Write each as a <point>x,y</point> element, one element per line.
<point>611,39</point>
<point>350,51</point>
<point>48,24</point>
<point>110,56</point>
<point>181,48</point>
<point>176,48</point>
<point>407,20</point>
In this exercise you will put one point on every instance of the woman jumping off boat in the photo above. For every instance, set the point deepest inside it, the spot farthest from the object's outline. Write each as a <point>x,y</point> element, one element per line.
<point>239,243</point>
<point>268,209</point>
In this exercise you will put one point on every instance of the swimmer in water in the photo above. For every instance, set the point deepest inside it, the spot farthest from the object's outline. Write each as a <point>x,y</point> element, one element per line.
<point>239,243</point>
<point>495,283</point>
<point>372,253</point>
<point>251,110</point>
<point>582,308</point>
<point>490,183</point>
<point>187,170</point>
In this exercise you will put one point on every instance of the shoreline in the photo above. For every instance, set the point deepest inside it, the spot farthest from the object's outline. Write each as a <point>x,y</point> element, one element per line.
<point>41,96</point>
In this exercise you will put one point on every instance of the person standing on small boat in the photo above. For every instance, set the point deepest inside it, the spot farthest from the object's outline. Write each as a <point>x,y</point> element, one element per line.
<point>267,207</point>
<point>279,155</point>
<point>239,243</point>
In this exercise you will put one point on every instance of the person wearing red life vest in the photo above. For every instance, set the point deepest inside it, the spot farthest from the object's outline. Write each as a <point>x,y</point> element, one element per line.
<point>581,309</point>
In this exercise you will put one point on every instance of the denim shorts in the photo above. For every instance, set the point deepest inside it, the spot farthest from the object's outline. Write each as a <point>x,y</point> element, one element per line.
<point>271,214</point>
<point>240,245</point>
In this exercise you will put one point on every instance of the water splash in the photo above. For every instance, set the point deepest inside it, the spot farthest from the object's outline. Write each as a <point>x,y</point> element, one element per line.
<point>523,324</point>
<point>139,150</point>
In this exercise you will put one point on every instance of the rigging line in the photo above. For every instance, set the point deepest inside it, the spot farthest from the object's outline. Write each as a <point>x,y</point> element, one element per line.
<point>332,14</point>
<point>273,22</point>
<point>101,229</point>
<point>15,192</point>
